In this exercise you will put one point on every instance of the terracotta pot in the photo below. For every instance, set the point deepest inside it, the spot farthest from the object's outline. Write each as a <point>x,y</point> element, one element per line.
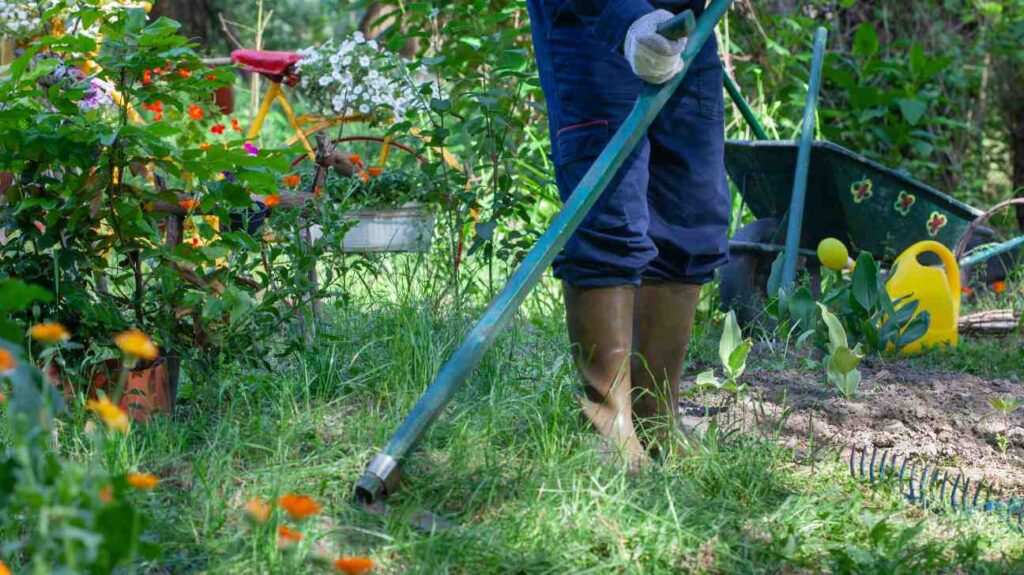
<point>150,389</point>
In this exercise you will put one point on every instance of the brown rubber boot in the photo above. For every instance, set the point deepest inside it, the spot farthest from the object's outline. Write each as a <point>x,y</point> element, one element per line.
<point>600,322</point>
<point>663,323</point>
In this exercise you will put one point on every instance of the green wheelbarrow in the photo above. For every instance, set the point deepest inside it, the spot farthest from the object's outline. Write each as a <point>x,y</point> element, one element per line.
<point>834,192</point>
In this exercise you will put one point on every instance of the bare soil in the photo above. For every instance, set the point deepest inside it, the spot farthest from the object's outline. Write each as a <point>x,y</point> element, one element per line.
<point>941,418</point>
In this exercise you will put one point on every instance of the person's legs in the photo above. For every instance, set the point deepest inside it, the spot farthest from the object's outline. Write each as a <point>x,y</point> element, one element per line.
<point>589,91</point>
<point>688,199</point>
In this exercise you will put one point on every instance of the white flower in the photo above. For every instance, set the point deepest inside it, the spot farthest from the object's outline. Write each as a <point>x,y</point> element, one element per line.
<point>364,61</point>
<point>346,61</point>
<point>364,109</point>
<point>358,37</point>
<point>324,80</point>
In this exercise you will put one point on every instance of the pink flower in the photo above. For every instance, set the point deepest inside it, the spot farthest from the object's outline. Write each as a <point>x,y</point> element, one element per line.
<point>253,150</point>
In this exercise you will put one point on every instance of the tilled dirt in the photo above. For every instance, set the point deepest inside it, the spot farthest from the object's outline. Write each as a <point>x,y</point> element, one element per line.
<point>938,417</point>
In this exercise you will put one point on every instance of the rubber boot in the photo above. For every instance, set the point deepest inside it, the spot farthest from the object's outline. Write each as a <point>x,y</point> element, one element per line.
<point>600,322</point>
<point>664,314</point>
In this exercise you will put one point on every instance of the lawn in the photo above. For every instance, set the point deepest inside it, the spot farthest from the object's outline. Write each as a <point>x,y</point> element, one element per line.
<point>512,471</point>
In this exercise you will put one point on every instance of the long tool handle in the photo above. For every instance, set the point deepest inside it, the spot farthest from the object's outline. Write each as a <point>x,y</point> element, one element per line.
<point>381,476</point>
<point>803,163</point>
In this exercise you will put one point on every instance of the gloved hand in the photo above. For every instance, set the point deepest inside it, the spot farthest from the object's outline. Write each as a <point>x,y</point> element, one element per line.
<point>653,57</point>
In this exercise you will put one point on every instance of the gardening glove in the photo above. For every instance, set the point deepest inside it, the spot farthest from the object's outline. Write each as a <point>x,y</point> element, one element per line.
<point>651,56</point>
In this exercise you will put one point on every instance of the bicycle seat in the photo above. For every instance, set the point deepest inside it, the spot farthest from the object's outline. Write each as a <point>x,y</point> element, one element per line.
<point>277,66</point>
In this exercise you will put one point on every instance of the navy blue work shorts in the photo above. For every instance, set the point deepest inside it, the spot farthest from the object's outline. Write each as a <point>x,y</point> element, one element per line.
<point>665,216</point>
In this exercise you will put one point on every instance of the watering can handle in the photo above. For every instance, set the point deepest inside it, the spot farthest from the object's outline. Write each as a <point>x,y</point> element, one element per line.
<point>680,26</point>
<point>948,261</point>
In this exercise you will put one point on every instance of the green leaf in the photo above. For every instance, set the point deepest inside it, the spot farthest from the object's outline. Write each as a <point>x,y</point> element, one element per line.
<point>915,330</point>
<point>864,284</point>
<point>707,379</point>
<point>731,338</point>
<point>844,360</point>
<point>912,110</point>
<point>836,333</point>
<point>865,41</point>
<point>16,295</point>
<point>802,309</point>
<point>738,359</point>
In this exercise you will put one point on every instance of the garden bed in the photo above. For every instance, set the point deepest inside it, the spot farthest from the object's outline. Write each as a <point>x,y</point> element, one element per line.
<point>937,416</point>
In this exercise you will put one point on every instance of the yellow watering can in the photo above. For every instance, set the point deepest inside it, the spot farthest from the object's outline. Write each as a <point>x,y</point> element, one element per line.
<point>937,290</point>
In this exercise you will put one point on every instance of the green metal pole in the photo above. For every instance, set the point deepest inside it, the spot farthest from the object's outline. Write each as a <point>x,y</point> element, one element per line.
<point>991,252</point>
<point>382,475</point>
<point>747,113</point>
<point>803,163</point>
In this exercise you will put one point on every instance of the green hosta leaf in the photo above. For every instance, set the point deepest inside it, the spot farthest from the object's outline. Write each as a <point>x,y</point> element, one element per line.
<point>864,284</point>
<point>738,359</point>
<point>915,330</point>
<point>732,338</point>
<point>836,333</point>
<point>843,360</point>
<point>802,308</point>
<point>707,380</point>
<point>16,295</point>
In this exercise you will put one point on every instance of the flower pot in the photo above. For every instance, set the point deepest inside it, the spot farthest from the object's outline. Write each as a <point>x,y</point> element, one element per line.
<point>408,228</point>
<point>148,388</point>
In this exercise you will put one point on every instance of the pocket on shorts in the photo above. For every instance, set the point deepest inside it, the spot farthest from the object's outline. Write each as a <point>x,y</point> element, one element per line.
<point>710,88</point>
<point>582,141</point>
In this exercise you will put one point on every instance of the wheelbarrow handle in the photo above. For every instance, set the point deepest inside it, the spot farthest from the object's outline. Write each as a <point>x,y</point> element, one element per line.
<point>680,26</point>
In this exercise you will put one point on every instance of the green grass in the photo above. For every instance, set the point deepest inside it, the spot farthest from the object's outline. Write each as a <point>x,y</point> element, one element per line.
<point>512,465</point>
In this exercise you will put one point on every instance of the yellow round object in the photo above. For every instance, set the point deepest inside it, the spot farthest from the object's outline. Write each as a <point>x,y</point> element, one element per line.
<point>833,254</point>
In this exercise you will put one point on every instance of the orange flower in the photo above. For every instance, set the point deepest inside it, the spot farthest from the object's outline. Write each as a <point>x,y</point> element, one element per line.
<point>184,73</point>
<point>113,416</point>
<point>257,509</point>
<point>3,397</point>
<point>217,128</point>
<point>999,286</point>
<point>142,481</point>
<point>204,146</point>
<point>966,290</point>
<point>49,332</point>
<point>211,77</point>
<point>3,569</point>
<point>147,77</point>
<point>354,565</point>
<point>195,112</point>
<point>136,344</point>
<point>107,494</point>
<point>272,200</point>
<point>235,126</point>
<point>299,506</point>
<point>354,158</point>
<point>318,190</point>
<point>292,180</point>
<point>374,171</point>
<point>364,176</point>
<point>157,106</point>
<point>7,362</point>
<point>189,204</point>
<point>287,536</point>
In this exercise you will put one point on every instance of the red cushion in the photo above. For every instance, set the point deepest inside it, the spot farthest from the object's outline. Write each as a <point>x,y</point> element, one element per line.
<point>265,62</point>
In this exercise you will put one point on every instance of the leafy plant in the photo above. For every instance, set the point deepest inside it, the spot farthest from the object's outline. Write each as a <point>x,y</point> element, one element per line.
<point>841,362</point>
<point>732,352</point>
<point>1005,405</point>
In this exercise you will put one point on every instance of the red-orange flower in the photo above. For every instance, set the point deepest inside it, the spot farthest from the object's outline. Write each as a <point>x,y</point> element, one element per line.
<point>966,290</point>
<point>157,108</point>
<point>195,112</point>
<point>257,509</point>
<point>235,126</point>
<point>374,171</point>
<point>291,180</point>
<point>211,77</point>
<point>271,201</point>
<point>298,506</point>
<point>189,204</point>
<point>184,73</point>
<point>217,128</point>
<point>364,176</point>
<point>3,569</point>
<point>999,286</point>
<point>204,146</point>
<point>355,159</point>
<point>142,481</point>
<point>287,536</point>
<point>106,494</point>
<point>7,362</point>
<point>354,565</point>
<point>147,77</point>
<point>318,190</point>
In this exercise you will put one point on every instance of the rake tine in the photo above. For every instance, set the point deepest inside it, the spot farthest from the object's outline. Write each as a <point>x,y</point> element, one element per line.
<point>934,479</point>
<point>903,469</point>
<point>942,491</point>
<point>881,468</point>
<point>965,489</point>
<point>922,486</point>
<point>952,494</point>
<point>974,502</point>
<point>853,452</point>
<point>863,455</point>
<point>871,466</point>
<point>892,464</point>
<point>910,479</point>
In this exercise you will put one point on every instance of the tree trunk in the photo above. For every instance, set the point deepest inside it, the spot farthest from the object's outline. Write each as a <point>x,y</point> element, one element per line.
<point>194,16</point>
<point>1017,150</point>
